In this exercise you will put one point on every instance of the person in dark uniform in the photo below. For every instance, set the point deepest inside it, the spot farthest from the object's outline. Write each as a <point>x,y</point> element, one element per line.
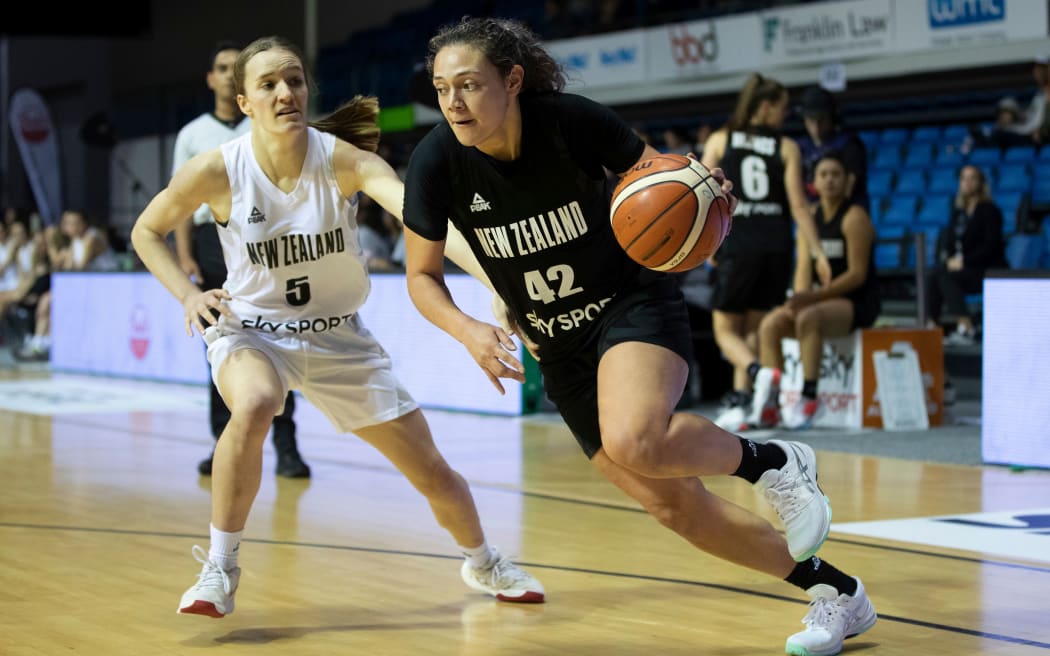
<point>517,167</point>
<point>754,262</point>
<point>200,253</point>
<point>825,132</point>
<point>850,301</point>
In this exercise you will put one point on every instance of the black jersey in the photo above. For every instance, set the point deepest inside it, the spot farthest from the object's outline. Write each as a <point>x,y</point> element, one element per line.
<point>834,243</point>
<point>762,220</point>
<point>539,225</point>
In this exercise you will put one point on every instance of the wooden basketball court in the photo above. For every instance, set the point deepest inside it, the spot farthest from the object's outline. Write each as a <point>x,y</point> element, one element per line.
<point>100,510</point>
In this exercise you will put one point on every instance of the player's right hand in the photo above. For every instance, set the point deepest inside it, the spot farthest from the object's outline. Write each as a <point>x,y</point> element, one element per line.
<point>490,346</point>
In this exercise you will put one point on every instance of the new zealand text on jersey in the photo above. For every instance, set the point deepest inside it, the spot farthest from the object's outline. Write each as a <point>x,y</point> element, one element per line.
<point>536,233</point>
<point>294,248</point>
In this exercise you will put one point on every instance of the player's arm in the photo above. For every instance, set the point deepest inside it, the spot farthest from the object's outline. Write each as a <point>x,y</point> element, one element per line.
<point>800,209</point>
<point>202,180</point>
<point>803,266</point>
<point>360,169</point>
<point>184,231</point>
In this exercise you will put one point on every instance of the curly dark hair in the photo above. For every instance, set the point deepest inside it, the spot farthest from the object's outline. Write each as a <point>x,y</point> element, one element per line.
<point>504,42</point>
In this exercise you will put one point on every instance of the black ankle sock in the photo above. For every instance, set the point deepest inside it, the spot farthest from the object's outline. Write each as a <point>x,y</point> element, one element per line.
<point>812,571</point>
<point>742,397</point>
<point>752,370</point>
<point>758,458</point>
<point>809,389</point>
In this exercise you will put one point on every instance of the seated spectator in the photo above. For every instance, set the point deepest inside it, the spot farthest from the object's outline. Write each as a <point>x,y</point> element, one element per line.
<point>377,231</point>
<point>36,303</point>
<point>1030,127</point>
<point>89,249</point>
<point>848,302</point>
<point>971,243</point>
<point>676,142</point>
<point>25,255</point>
<point>703,131</point>
<point>826,132</point>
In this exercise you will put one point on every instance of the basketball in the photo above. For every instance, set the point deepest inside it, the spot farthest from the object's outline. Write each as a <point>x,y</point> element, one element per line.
<point>669,213</point>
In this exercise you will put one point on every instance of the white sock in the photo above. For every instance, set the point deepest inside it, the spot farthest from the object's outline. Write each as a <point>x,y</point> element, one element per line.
<point>224,548</point>
<point>480,556</point>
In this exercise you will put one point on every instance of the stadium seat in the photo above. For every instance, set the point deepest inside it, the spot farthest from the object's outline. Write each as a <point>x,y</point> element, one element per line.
<point>950,156</point>
<point>911,182</point>
<point>944,180</point>
<point>888,156</point>
<point>930,134</point>
<point>1009,202</point>
<point>984,156</point>
<point>887,255</point>
<point>1019,154</point>
<point>1044,153</point>
<point>870,139</point>
<point>936,211</point>
<point>955,134</point>
<point>1024,251</point>
<point>901,210</point>
<point>920,155</point>
<point>880,182</point>
<point>1012,177</point>
<point>896,136</point>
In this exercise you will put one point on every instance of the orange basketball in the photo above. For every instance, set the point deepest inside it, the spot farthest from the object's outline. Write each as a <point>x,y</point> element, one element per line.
<point>669,213</point>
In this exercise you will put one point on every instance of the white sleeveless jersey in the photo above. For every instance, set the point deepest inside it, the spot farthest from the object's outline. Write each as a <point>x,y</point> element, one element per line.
<point>294,263</point>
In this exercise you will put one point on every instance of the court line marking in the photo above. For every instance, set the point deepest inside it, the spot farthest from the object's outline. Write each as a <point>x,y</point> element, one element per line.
<point>562,568</point>
<point>390,470</point>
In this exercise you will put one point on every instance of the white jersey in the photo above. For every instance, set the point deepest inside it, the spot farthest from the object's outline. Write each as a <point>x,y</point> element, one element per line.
<point>200,135</point>
<point>294,262</point>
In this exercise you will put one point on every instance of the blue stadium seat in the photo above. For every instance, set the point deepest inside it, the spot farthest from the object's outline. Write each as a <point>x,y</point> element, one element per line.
<point>888,156</point>
<point>901,210</point>
<point>926,134</point>
<point>1045,260</point>
<point>1019,154</point>
<point>880,182</point>
<point>1012,177</point>
<point>1044,153</point>
<point>955,134</point>
<point>878,207</point>
<point>936,210</point>
<point>920,155</point>
<point>930,246</point>
<point>887,255</point>
<point>949,157</point>
<point>1041,184</point>
<point>912,182</point>
<point>887,232</point>
<point>944,180</point>
<point>984,156</point>
<point>1009,202</point>
<point>1024,251</point>
<point>893,136</point>
<point>870,139</point>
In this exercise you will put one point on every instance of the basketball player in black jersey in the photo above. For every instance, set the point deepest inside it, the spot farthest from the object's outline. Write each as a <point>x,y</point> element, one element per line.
<point>848,302</point>
<point>754,262</point>
<point>518,168</point>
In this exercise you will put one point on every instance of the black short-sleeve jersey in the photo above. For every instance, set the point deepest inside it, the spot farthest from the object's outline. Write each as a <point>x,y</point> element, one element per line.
<point>539,225</point>
<point>762,220</point>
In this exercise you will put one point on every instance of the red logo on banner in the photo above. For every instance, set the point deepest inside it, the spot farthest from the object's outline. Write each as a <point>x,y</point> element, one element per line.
<point>689,49</point>
<point>139,332</point>
<point>35,127</point>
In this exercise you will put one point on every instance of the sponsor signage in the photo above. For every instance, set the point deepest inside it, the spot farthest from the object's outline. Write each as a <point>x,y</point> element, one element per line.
<point>617,58</point>
<point>828,30</point>
<point>968,23</point>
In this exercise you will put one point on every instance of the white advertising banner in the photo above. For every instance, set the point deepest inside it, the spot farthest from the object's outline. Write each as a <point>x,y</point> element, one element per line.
<point>37,141</point>
<point>961,24</point>
<point>617,58</point>
<point>128,325</point>
<point>828,31</point>
<point>699,48</point>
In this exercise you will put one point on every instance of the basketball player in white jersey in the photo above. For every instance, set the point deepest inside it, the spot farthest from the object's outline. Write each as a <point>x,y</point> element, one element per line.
<point>283,198</point>
<point>200,253</point>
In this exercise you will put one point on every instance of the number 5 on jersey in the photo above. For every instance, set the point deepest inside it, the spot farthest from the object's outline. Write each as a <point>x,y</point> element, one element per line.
<point>297,291</point>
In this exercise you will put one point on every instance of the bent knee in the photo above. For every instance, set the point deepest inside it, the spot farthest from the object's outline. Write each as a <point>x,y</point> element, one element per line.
<point>637,449</point>
<point>257,406</point>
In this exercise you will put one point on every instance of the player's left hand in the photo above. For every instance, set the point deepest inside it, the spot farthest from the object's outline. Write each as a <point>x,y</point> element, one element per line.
<point>823,270</point>
<point>726,185</point>
<point>511,327</point>
<point>800,300</point>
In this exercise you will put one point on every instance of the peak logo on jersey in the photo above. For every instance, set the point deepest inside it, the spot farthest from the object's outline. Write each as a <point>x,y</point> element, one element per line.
<point>479,204</point>
<point>256,216</point>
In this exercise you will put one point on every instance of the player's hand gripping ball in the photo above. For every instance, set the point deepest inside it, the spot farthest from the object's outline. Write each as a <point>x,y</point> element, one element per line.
<point>669,213</point>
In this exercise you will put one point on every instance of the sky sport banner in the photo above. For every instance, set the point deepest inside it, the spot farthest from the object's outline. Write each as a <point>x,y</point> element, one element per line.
<point>37,141</point>
<point>609,59</point>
